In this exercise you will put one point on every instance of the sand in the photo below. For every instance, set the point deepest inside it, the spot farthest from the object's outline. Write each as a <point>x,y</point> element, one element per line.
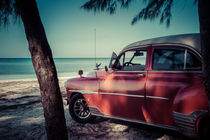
<point>21,117</point>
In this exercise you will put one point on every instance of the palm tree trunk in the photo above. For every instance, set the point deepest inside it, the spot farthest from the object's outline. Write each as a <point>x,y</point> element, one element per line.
<point>44,66</point>
<point>204,18</point>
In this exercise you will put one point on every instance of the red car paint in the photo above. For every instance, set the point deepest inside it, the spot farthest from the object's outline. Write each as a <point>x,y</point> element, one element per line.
<point>166,98</point>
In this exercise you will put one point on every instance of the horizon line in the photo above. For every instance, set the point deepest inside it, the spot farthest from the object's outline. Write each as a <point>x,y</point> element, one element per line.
<point>53,57</point>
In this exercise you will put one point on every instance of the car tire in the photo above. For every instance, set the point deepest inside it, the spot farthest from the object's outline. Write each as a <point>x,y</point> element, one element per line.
<point>79,109</point>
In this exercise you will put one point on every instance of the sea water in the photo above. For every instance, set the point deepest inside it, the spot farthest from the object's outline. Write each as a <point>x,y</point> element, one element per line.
<point>22,68</point>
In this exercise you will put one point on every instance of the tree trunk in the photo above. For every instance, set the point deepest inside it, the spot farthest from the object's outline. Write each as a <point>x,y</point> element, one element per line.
<point>204,18</point>
<point>44,66</point>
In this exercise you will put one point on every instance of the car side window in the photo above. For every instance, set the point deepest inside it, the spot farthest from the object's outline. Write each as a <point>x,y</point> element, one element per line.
<point>192,62</point>
<point>133,60</point>
<point>168,59</point>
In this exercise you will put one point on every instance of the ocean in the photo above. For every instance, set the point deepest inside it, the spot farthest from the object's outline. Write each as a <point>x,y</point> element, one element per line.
<point>22,68</point>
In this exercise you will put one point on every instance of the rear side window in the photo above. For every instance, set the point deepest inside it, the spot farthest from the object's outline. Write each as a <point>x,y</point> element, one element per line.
<point>192,62</point>
<point>168,59</point>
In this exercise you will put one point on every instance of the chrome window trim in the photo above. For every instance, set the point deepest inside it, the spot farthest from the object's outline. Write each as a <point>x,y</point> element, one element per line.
<point>118,94</point>
<point>189,47</point>
<point>136,47</point>
<point>185,58</point>
<point>163,44</point>
<point>185,49</point>
<point>101,114</point>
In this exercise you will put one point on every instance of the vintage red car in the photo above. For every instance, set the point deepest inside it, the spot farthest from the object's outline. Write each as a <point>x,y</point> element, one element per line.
<point>156,82</point>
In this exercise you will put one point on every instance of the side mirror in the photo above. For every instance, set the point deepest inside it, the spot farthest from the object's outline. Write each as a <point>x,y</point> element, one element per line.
<point>80,72</point>
<point>138,53</point>
<point>113,58</point>
<point>106,69</point>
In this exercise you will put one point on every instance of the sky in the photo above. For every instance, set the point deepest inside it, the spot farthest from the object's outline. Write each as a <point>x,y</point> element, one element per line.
<point>70,29</point>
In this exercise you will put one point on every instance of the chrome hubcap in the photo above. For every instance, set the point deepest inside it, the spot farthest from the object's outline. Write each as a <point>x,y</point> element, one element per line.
<point>81,109</point>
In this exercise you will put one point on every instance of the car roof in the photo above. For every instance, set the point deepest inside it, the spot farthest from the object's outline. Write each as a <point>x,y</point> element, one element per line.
<point>190,40</point>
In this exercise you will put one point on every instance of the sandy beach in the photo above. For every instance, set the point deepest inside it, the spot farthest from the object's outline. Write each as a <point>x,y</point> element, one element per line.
<point>21,117</point>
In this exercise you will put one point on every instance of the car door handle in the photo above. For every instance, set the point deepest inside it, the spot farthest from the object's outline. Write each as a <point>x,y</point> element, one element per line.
<point>140,75</point>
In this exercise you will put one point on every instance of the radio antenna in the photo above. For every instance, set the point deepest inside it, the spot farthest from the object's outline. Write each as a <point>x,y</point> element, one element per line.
<point>97,65</point>
<point>95,44</point>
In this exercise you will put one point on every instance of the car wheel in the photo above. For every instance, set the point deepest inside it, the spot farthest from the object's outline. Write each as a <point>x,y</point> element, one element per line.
<point>79,109</point>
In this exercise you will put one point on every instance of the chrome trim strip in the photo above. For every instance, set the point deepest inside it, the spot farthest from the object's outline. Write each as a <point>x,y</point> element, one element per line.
<point>84,91</point>
<point>156,97</point>
<point>195,112</point>
<point>100,114</point>
<point>130,71</point>
<point>132,95</point>
<point>118,94</point>
<point>186,123</point>
<point>164,71</point>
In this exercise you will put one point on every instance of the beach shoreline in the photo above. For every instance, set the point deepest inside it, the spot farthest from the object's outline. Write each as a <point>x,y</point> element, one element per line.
<point>34,79</point>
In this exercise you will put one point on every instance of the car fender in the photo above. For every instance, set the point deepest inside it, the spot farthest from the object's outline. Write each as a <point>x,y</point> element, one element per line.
<point>190,99</point>
<point>189,105</point>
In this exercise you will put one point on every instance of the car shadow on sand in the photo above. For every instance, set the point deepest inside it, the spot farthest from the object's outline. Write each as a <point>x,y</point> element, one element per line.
<point>104,128</point>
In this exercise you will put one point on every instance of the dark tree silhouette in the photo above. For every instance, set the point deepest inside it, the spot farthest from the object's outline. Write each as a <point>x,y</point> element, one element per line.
<point>43,63</point>
<point>154,8</point>
<point>204,18</point>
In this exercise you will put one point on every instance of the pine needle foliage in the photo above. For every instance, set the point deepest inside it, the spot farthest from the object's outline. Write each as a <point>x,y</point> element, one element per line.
<point>153,9</point>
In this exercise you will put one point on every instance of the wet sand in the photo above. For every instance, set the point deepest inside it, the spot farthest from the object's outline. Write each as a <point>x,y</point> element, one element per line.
<point>21,117</point>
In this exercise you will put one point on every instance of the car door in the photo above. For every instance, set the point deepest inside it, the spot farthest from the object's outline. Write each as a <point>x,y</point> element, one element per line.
<point>170,72</point>
<point>123,90</point>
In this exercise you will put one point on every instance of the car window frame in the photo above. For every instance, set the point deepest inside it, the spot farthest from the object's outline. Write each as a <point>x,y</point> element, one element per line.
<point>133,49</point>
<point>193,53</point>
<point>166,48</point>
<point>185,49</point>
